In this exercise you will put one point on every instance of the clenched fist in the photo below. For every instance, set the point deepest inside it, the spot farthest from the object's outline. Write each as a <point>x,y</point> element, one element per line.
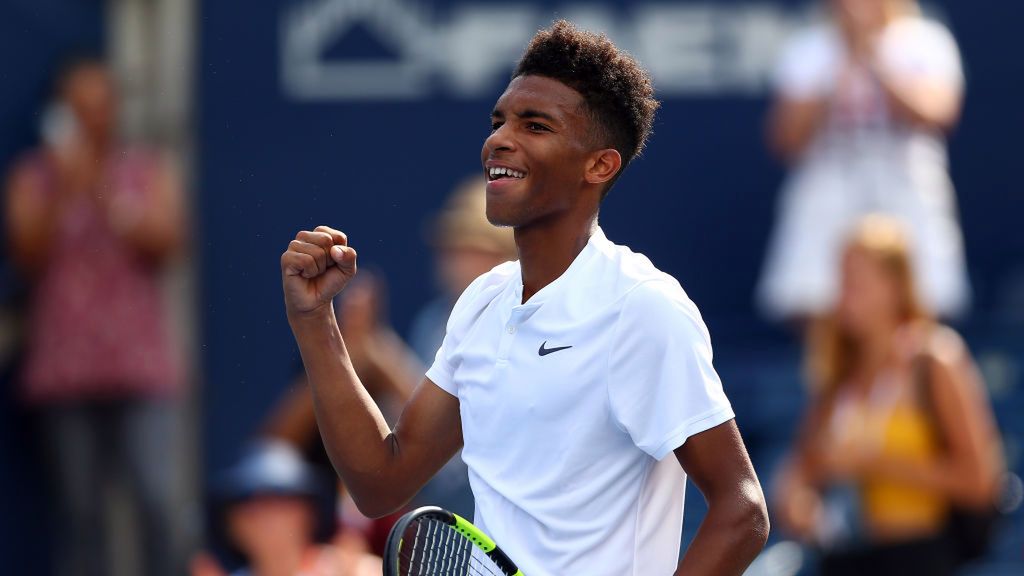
<point>316,266</point>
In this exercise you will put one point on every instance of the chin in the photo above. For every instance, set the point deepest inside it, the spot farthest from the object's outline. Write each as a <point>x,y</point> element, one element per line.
<point>501,220</point>
<point>851,327</point>
<point>502,215</point>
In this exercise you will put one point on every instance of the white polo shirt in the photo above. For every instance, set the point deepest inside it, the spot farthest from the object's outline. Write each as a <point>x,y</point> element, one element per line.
<point>571,406</point>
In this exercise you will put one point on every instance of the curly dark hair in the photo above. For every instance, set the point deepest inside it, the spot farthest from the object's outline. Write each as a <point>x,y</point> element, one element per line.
<point>616,90</point>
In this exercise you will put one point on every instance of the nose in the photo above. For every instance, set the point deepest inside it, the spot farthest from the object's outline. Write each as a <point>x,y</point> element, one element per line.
<point>499,140</point>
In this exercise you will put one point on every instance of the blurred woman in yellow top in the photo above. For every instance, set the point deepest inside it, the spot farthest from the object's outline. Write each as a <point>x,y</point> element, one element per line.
<point>898,416</point>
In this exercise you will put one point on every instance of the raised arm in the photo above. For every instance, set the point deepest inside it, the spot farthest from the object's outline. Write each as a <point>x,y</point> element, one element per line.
<point>736,526</point>
<point>31,218</point>
<point>382,468</point>
<point>156,225</point>
<point>929,103</point>
<point>792,125</point>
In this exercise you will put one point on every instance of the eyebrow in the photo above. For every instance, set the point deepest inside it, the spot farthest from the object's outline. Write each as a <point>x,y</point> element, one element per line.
<point>527,114</point>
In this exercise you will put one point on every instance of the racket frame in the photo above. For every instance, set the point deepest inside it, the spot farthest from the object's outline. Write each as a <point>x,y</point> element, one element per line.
<point>474,535</point>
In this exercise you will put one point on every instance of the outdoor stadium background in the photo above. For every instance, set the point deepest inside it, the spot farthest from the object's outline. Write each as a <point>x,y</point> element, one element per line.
<point>312,112</point>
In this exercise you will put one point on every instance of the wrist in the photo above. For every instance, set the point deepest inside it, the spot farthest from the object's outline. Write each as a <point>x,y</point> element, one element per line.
<point>322,314</point>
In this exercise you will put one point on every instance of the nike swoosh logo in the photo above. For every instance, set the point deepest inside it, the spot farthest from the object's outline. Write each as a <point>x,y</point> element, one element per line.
<point>545,351</point>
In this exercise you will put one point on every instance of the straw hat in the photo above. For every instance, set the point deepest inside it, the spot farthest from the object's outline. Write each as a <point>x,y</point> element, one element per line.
<point>462,223</point>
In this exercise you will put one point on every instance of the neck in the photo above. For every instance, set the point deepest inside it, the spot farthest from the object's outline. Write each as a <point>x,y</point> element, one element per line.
<point>875,347</point>
<point>282,562</point>
<point>546,249</point>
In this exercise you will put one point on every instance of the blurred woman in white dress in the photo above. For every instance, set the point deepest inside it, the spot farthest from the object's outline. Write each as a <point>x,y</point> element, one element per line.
<point>863,103</point>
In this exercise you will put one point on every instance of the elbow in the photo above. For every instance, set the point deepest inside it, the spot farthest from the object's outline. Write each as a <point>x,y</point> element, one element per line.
<point>163,244</point>
<point>940,122</point>
<point>759,523</point>
<point>750,522</point>
<point>938,116</point>
<point>371,507</point>
<point>742,520</point>
<point>978,490</point>
<point>786,147</point>
<point>373,510</point>
<point>375,505</point>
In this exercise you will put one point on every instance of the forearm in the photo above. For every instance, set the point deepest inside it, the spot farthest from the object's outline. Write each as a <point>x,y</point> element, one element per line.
<point>730,537</point>
<point>156,229</point>
<point>792,126</point>
<point>31,228</point>
<point>293,419</point>
<point>929,105</point>
<point>31,247</point>
<point>357,438</point>
<point>153,236</point>
<point>960,482</point>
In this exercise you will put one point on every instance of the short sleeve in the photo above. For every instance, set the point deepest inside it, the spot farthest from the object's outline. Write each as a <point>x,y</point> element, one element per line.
<point>807,65</point>
<point>918,48</point>
<point>442,371</point>
<point>662,385</point>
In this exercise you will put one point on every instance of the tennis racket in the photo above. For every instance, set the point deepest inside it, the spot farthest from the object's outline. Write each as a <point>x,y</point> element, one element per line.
<point>432,541</point>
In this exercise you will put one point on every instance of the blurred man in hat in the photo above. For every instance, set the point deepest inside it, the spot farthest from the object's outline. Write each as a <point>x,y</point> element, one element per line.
<point>272,514</point>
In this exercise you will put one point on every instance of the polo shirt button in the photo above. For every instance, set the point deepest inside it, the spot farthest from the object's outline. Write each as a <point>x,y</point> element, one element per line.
<point>511,329</point>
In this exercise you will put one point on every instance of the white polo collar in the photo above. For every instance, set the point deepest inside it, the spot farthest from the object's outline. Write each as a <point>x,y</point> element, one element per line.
<point>579,264</point>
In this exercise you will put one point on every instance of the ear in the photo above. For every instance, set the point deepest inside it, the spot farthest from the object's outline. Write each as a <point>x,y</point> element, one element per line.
<point>602,166</point>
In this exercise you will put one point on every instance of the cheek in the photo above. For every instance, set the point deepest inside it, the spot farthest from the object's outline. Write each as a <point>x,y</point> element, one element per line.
<point>854,291</point>
<point>556,172</point>
<point>242,524</point>
<point>867,294</point>
<point>849,301</point>
<point>890,300</point>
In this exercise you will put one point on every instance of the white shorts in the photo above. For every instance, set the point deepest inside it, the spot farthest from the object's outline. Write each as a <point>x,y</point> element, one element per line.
<point>820,203</point>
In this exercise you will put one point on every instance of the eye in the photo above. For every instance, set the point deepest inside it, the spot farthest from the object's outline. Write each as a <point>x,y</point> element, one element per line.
<point>537,127</point>
<point>495,125</point>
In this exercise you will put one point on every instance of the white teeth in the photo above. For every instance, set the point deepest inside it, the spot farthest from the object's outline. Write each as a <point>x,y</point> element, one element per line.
<point>497,171</point>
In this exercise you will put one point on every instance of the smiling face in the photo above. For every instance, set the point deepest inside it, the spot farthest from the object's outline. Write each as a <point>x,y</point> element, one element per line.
<point>537,157</point>
<point>89,92</point>
<point>869,295</point>
<point>861,15</point>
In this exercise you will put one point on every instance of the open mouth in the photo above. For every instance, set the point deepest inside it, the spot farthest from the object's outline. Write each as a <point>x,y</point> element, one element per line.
<point>502,173</point>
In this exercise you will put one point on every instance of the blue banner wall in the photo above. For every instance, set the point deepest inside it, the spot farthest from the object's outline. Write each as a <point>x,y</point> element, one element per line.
<point>362,115</point>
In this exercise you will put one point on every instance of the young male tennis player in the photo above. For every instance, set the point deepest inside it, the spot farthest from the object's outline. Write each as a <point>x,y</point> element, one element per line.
<point>571,377</point>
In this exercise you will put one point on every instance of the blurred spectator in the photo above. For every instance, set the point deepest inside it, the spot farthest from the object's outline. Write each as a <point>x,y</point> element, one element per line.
<point>465,246</point>
<point>91,223</point>
<point>388,370</point>
<point>862,108</point>
<point>899,438</point>
<point>273,515</point>
<point>385,365</point>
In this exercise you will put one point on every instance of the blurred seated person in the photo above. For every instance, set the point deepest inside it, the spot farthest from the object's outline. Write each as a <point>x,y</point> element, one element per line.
<point>863,104</point>
<point>274,515</point>
<point>92,225</point>
<point>389,370</point>
<point>378,355</point>
<point>465,246</point>
<point>899,432</point>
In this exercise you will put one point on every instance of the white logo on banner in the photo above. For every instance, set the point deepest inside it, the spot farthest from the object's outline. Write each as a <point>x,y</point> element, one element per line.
<point>689,48</point>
